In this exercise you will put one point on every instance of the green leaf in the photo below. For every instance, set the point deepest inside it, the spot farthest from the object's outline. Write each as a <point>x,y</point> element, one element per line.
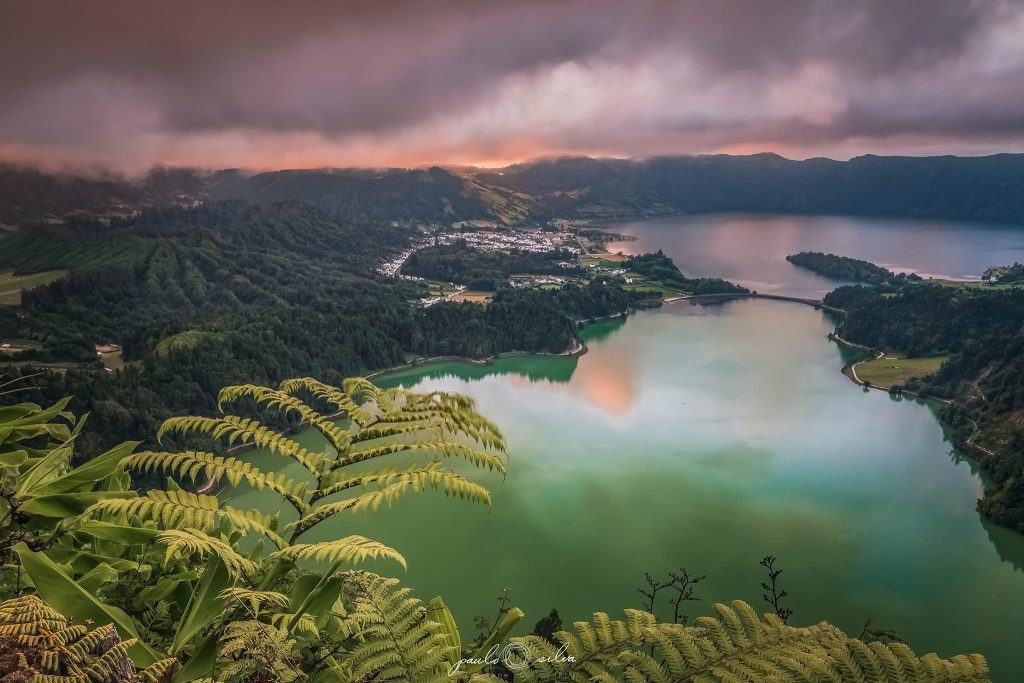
<point>86,476</point>
<point>162,590</point>
<point>315,595</point>
<point>13,458</point>
<point>46,467</point>
<point>439,613</point>
<point>499,634</point>
<point>64,505</point>
<point>72,600</point>
<point>84,562</point>
<point>205,607</point>
<point>200,665</point>
<point>101,575</point>
<point>118,533</point>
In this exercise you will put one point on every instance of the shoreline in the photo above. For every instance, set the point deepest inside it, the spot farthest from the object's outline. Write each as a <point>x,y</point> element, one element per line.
<point>578,350</point>
<point>581,348</point>
<point>850,371</point>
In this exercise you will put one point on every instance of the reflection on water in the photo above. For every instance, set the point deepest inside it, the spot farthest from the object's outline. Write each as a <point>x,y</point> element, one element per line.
<point>707,438</point>
<point>1007,543</point>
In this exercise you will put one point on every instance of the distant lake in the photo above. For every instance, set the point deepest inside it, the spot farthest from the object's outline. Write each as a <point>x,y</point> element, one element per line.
<point>708,437</point>
<point>751,249</point>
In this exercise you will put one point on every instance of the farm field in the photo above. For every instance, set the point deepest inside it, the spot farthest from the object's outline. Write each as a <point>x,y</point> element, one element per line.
<point>11,285</point>
<point>890,369</point>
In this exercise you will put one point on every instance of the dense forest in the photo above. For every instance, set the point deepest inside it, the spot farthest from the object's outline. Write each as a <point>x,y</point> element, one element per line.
<point>485,270</point>
<point>233,292</point>
<point>983,332</point>
<point>846,268</point>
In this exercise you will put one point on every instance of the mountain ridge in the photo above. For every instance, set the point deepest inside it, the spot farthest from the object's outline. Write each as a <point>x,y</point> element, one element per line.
<point>987,188</point>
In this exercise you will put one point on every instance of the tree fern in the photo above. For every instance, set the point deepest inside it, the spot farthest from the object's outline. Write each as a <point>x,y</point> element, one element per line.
<point>53,650</point>
<point>736,645</point>
<point>384,423</point>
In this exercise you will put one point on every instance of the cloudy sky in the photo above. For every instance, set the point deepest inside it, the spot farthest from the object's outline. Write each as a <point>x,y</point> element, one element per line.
<point>393,83</point>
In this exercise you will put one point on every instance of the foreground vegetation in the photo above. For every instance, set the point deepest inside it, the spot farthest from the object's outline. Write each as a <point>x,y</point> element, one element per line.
<point>203,591</point>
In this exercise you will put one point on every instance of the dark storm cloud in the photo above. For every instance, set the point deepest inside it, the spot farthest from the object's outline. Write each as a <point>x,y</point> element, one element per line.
<point>275,83</point>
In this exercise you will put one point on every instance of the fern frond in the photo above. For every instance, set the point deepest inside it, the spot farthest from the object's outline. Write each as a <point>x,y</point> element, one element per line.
<point>185,510</point>
<point>339,398</point>
<point>255,600</point>
<point>158,671</point>
<point>735,645</point>
<point>437,448</point>
<point>351,549</point>
<point>238,430</point>
<point>193,464</point>
<point>287,403</point>
<point>189,542</point>
<point>392,485</point>
<point>397,642</point>
<point>254,648</point>
<point>55,651</point>
<point>26,615</point>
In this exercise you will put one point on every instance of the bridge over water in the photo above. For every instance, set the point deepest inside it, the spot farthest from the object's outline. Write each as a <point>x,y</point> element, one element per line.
<point>816,303</point>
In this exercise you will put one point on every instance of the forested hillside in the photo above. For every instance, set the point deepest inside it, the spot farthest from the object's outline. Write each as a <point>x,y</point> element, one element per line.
<point>983,331</point>
<point>417,196</point>
<point>977,188</point>
<point>30,195</point>
<point>235,292</point>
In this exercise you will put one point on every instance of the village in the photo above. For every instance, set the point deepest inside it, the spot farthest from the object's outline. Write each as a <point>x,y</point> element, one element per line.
<point>597,264</point>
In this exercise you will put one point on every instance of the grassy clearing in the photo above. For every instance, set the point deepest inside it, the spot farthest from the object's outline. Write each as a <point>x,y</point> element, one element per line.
<point>974,284</point>
<point>609,257</point>
<point>11,285</point>
<point>605,260</point>
<point>890,369</point>
<point>113,360</point>
<point>478,297</point>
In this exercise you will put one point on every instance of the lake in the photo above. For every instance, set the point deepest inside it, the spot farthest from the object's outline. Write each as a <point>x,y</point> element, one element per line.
<point>752,250</point>
<point>707,437</point>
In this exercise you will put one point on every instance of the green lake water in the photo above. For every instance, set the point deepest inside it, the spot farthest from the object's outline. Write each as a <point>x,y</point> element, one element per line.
<point>706,438</point>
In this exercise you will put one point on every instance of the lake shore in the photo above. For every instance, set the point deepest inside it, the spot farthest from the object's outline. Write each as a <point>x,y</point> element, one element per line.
<point>578,350</point>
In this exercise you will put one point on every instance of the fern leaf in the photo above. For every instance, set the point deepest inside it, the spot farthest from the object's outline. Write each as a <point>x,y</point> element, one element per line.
<point>195,464</point>
<point>185,510</point>
<point>236,430</point>
<point>190,542</point>
<point>351,549</point>
<point>392,485</point>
